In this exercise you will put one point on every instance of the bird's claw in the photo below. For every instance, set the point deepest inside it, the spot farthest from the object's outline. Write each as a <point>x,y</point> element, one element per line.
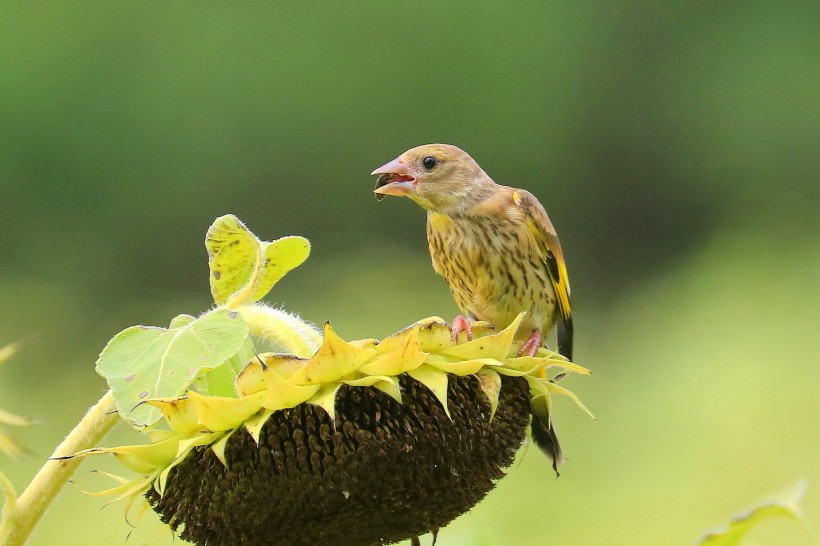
<point>461,324</point>
<point>530,347</point>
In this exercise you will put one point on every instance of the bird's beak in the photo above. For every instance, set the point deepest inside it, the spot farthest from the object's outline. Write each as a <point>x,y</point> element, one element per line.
<point>394,179</point>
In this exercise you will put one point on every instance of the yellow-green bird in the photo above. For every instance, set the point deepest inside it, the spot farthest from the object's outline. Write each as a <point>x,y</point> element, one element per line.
<point>494,245</point>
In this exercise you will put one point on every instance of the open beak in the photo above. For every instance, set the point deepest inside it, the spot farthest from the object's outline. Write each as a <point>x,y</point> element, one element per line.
<point>394,179</point>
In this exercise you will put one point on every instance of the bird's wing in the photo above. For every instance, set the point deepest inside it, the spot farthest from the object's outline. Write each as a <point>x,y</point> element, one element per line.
<point>547,242</point>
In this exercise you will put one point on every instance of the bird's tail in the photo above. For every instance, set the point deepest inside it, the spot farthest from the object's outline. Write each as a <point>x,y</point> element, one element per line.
<point>564,335</point>
<point>543,433</point>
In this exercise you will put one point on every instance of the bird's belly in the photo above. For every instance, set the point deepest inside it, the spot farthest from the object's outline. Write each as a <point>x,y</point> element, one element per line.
<point>493,280</point>
<point>501,300</point>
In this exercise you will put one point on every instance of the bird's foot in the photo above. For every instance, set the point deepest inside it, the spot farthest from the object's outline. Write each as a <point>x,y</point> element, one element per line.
<point>530,347</point>
<point>461,324</point>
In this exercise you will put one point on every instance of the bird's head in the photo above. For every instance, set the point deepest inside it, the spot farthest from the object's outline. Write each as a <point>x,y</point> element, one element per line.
<point>439,177</point>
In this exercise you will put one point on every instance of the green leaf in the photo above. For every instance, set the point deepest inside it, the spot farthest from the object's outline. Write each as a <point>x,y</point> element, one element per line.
<point>144,362</point>
<point>785,504</point>
<point>244,268</point>
<point>181,320</point>
<point>220,381</point>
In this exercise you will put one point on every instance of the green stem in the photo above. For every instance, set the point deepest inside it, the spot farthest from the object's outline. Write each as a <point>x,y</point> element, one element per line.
<point>20,517</point>
<point>286,330</point>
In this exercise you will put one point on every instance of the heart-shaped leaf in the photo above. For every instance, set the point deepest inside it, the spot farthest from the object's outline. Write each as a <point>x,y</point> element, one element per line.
<point>244,268</point>
<point>144,362</point>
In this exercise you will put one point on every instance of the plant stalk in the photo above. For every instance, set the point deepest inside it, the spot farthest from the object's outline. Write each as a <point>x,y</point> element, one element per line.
<point>19,518</point>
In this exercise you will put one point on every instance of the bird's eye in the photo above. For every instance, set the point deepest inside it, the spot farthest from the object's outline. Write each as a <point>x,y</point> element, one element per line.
<point>429,162</point>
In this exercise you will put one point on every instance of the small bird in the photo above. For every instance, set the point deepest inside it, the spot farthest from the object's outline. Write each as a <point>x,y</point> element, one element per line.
<point>494,245</point>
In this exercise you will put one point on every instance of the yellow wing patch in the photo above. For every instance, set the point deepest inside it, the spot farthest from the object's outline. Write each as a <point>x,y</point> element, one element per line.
<point>546,240</point>
<point>549,247</point>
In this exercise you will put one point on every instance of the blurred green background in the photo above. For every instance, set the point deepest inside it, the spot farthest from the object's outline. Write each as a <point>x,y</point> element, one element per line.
<point>675,146</point>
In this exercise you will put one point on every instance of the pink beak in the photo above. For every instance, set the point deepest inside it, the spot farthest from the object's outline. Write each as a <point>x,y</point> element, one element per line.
<point>395,179</point>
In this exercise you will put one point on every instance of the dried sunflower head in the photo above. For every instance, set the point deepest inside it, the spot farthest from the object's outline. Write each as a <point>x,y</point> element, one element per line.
<point>366,442</point>
<point>356,443</point>
<point>379,473</point>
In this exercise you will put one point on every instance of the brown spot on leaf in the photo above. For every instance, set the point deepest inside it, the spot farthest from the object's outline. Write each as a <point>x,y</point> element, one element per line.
<point>217,274</point>
<point>143,394</point>
<point>130,377</point>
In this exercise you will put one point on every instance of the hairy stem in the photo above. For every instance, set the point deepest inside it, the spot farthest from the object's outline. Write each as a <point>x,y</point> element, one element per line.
<point>20,517</point>
<point>286,330</point>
